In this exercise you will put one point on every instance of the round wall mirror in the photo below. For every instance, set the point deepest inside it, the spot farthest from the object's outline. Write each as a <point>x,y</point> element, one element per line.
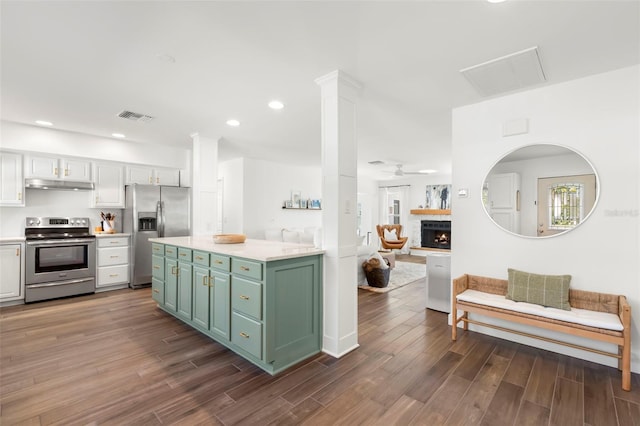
<point>540,191</point>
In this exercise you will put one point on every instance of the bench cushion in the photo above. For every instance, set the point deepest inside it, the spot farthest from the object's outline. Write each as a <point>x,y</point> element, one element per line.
<point>584,317</point>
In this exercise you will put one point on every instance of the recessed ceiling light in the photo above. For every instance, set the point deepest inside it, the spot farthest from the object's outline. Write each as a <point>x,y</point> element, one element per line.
<point>276,104</point>
<point>495,1</point>
<point>117,135</point>
<point>427,171</point>
<point>44,123</point>
<point>233,123</point>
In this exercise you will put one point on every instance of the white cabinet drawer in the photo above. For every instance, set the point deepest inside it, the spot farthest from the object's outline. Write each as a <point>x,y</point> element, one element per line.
<point>113,256</point>
<point>110,275</point>
<point>113,242</point>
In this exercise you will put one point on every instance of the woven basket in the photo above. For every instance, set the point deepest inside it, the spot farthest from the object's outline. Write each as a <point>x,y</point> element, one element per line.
<point>377,277</point>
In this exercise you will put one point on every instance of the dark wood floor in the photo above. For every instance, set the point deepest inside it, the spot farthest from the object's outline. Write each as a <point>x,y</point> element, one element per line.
<point>114,358</point>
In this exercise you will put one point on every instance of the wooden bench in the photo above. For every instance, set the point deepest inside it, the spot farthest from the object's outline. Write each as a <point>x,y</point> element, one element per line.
<point>591,301</point>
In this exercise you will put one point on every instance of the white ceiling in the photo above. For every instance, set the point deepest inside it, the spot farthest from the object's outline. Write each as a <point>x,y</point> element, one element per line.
<point>80,63</point>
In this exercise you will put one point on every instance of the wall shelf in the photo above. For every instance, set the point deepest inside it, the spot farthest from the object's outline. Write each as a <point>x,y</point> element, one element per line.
<point>298,208</point>
<point>431,211</point>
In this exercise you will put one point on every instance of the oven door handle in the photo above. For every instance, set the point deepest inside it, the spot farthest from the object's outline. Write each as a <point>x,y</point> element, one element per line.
<point>61,242</point>
<point>57,283</point>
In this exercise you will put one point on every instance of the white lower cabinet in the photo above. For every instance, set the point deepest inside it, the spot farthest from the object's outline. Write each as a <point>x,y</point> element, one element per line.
<point>12,267</point>
<point>113,262</point>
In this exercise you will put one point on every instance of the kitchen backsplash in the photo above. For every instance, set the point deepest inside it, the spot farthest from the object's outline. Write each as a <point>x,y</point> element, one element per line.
<point>52,203</point>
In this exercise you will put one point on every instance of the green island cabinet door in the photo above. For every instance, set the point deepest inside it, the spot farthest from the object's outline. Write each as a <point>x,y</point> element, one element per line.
<point>185,287</point>
<point>171,284</point>
<point>201,289</point>
<point>220,313</point>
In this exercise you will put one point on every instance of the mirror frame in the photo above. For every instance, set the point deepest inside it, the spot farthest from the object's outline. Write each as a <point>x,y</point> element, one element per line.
<point>537,237</point>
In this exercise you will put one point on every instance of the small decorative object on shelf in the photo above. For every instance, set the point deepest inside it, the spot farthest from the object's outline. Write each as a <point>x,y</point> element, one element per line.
<point>315,204</point>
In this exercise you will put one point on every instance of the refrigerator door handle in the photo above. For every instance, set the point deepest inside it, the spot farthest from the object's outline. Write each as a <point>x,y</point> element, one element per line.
<point>162,218</point>
<point>159,219</point>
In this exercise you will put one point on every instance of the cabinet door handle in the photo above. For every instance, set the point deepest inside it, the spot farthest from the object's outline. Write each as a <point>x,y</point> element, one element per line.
<point>156,267</point>
<point>218,262</point>
<point>155,290</point>
<point>174,270</point>
<point>18,251</point>
<point>97,198</point>
<point>183,254</point>
<point>114,242</point>
<point>244,268</point>
<point>114,257</point>
<point>199,258</point>
<point>157,180</point>
<point>66,172</point>
<point>113,275</point>
<point>19,196</point>
<point>243,297</point>
<point>205,281</point>
<point>211,284</point>
<point>150,179</point>
<point>55,171</point>
<point>243,334</point>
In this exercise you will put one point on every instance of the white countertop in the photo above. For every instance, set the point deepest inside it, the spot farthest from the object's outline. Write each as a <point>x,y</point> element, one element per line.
<point>261,250</point>
<point>11,240</point>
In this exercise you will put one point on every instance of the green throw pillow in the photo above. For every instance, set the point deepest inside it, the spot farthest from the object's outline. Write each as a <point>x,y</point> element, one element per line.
<point>545,290</point>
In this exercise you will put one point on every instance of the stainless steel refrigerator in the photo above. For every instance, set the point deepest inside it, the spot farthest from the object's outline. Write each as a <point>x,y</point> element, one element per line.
<point>150,212</point>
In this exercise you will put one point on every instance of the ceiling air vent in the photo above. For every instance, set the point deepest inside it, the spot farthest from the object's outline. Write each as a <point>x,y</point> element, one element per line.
<point>511,72</point>
<point>134,116</point>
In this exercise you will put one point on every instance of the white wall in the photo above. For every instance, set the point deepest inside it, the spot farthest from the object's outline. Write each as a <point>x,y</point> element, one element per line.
<point>598,116</point>
<point>255,189</point>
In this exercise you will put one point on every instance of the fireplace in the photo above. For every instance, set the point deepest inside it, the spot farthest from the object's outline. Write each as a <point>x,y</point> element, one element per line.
<point>436,234</point>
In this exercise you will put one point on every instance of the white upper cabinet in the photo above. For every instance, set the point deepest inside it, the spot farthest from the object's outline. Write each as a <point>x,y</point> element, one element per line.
<point>46,167</point>
<point>169,177</point>
<point>11,180</point>
<point>152,176</point>
<point>109,185</point>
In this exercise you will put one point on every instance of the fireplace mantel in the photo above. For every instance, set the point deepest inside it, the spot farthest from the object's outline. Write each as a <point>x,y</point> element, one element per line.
<point>430,211</point>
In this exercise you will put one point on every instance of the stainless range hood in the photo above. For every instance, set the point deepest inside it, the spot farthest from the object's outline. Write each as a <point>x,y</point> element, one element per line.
<point>57,184</point>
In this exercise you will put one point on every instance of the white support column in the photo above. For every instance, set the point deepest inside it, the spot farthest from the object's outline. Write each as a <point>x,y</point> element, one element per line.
<point>204,190</point>
<point>339,221</point>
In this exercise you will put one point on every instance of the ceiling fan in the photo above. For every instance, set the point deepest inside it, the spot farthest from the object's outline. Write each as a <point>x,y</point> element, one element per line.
<point>400,172</point>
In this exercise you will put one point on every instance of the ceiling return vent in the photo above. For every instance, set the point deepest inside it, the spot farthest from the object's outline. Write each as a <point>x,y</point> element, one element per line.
<point>134,116</point>
<point>511,72</point>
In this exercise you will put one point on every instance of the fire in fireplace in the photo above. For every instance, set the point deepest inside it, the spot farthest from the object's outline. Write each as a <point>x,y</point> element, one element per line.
<point>436,234</point>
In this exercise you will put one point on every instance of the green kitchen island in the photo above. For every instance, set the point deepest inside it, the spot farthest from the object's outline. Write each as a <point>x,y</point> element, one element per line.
<point>261,299</point>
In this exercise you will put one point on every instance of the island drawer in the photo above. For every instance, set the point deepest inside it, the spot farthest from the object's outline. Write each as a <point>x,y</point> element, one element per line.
<point>171,251</point>
<point>247,268</point>
<point>157,267</point>
<point>201,258</point>
<point>157,249</point>
<point>157,290</point>
<point>222,263</point>
<point>246,297</point>
<point>184,254</point>
<point>247,334</point>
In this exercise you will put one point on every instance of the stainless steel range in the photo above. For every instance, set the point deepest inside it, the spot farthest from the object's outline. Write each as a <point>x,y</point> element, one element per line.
<point>60,257</point>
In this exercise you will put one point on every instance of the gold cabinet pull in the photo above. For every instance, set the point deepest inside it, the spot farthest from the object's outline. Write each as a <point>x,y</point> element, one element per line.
<point>199,258</point>
<point>244,268</point>
<point>66,172</point>
<point>205,281</point>
<point>155,290</point>
<point>18,251</point>
<point>19,196</point>
<point>211,284</point>
<point>114,257</point>
<point>218,262</point>
<point>113,275</point>
<point>157,180</point>
<point>183,254</point>
<point>156,267</point>
<point>150,179</point>
<point>243,297</point>
<point>243,334</point>
<point>114,242</point>
<point>174,270</point>
<point>55,171</point>
<point>97,199</point>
